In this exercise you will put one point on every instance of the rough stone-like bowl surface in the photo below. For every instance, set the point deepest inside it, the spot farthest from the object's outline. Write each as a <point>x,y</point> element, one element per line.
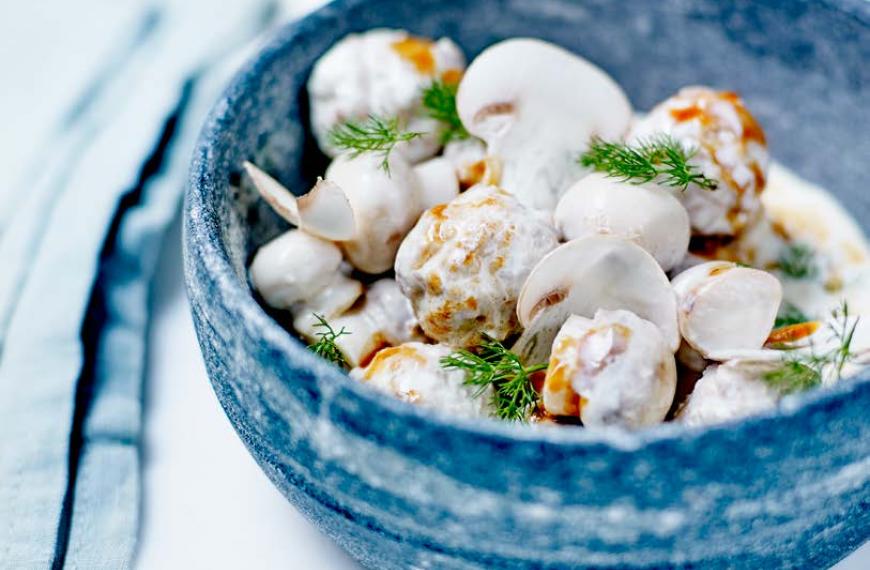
<point>399,487</point>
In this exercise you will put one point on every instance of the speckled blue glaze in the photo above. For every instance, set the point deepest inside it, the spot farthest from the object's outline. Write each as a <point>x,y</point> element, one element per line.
<point>399,487</point>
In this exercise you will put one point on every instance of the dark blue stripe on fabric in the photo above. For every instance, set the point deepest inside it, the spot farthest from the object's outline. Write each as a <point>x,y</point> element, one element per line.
<point>97,316</point>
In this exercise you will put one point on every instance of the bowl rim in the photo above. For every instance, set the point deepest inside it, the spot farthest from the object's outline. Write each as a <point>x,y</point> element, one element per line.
<point>201,238</point>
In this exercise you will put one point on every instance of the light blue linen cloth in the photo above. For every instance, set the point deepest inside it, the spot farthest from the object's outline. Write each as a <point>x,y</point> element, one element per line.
<point>78,252</point>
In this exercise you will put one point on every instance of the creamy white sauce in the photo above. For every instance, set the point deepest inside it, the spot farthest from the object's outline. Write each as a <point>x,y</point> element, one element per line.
<point>812,215</point>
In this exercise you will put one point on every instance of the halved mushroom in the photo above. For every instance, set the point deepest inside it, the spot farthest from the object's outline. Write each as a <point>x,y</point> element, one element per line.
<point>536,105</point>
<point>647,215</point>
<point>730,391</point>
<point>324,212</point>
<point>723,306</point>
<point>294,267</point>
<point>615,369</point>
<point>412,372</point>
<point>385,206</point>
<point>585,275</point>
<point>437,182</point>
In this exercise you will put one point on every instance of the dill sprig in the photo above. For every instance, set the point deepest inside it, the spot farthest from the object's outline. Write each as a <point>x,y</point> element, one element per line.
<point>804,371</point>
<point>661,159</point>
<point>798,261</point>
<point>439,100</point>
<point>325,346</point>
<point>789,314</point>
<point>491,364</point>
<point>375,134</point>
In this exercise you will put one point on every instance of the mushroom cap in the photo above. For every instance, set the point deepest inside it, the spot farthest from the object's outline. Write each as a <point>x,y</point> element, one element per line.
<point>536,105</point>
<point>412,372</point>
<point>294,267</point>
<point>647,215</point>
<point>324,212</point>
<point>385,207</point>
<point>723,306</point>
<point>728,145</point>
<point>602,272</point>
<point>339,295</point>
<point>730,391</point>
<point>381,72</point>
<point>615,369</point>
<point>464,262</point>
<point>437,182</point>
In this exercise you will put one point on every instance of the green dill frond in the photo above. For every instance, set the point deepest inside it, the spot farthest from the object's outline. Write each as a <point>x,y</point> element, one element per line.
<point>439,100</point>
<point>789,314</point>
<point>491,364</point>
<point>802,372</point>
<point>660,159</point>
<point>325,346</point>
<point>798,261</point>
<point>375,134</point>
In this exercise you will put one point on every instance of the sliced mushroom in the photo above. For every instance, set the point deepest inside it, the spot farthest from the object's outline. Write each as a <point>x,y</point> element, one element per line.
<point>294,267</point>
<point>464,262</point>
<point>730,391</point>
<point>727,145</point>
<point>585,275</point>
<point>437,182</point>
<point>381,72</point>
<point>536,105</point>
<point>723,306</point>
<point>385,206</point>
<point>412,372</point>
<point>647,215</point>
<point>615,369</point>
<point>324,212</point>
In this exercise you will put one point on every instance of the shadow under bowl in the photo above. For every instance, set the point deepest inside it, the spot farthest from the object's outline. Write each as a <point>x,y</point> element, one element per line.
<point>400,487</point>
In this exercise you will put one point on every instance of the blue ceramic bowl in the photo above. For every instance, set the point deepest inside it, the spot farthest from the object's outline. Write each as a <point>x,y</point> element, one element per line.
<point>400,487</point>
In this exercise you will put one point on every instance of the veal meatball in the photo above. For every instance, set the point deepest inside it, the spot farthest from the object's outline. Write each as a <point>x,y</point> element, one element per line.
<point>729,147</point>
<point>464,263</point>
<point>413,373</point>
<point>615,369</point>
<point>381,72</point>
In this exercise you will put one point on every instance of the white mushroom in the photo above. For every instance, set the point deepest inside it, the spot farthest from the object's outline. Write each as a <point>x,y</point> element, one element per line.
<point>293,268</point>
<point>324,212</point>
<point>585,275</point>
<point>339,295</point>
<point>464,262</point>
<point>647,215</point>
<point>437,182</point>
<point>384,318</point>
<point>730,391</point>
<point>385,206</point>
<point>536,105</point>
<point>413,373</point>
<point>381,72</point>
<point>615,369</point>
<point>723,306</point>
<point>729,147</point>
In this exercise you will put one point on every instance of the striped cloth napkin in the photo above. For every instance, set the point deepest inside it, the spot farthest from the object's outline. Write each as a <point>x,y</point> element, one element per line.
<point>81,223</point>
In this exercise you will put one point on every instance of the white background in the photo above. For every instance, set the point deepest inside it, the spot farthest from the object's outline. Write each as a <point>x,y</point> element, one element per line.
<point>206,504</point>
